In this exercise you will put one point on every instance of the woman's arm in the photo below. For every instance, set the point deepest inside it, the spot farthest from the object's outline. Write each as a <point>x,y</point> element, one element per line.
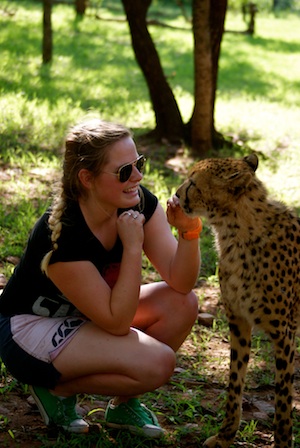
<point>178,262</point>
<point>111,309</point>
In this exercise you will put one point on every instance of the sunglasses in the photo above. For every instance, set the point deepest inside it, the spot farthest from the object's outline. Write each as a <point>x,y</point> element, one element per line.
<point>124,172</point>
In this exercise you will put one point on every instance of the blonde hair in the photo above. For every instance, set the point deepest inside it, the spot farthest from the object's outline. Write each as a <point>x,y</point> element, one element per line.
<point>86,147</point>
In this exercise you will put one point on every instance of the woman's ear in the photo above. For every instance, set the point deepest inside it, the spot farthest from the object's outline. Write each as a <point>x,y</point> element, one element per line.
<point>85,177</point>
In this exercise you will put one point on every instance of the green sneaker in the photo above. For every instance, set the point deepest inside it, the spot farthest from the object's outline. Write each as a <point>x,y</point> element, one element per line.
<point>58,411</point>
<point>133,416</point>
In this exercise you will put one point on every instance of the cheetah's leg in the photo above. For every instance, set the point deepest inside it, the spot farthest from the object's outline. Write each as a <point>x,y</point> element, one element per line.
<point>283,424</point>
<point>240,343</point>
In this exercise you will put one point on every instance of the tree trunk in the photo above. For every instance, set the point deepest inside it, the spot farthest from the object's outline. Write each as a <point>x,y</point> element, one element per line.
<point>47,32</point>
<point>201,121</point>
<point>169,123</point>
<point>80,7</point>
<point>208,28</point>
<point>217,21</point>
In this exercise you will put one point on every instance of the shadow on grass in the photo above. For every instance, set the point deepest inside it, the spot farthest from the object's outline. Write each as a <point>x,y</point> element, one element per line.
<point>99,53</point>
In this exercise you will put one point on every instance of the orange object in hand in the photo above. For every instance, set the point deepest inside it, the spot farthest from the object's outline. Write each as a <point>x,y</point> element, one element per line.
<point>188,228</point>
<point>193,232</point>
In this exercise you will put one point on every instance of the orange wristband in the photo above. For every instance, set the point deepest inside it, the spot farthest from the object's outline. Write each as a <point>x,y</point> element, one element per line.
<point>193,233</point>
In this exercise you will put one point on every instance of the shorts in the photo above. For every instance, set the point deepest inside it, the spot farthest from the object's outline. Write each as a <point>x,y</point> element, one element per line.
<point>29,344</point>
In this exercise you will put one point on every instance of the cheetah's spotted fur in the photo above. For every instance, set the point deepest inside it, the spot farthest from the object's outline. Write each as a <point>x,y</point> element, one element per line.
<point>258,242</point>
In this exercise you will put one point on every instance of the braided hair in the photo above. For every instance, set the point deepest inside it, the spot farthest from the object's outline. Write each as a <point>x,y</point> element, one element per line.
<point>86,147</point>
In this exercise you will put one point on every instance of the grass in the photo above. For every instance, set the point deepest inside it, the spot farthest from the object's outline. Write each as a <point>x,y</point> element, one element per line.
<point>257,107</point>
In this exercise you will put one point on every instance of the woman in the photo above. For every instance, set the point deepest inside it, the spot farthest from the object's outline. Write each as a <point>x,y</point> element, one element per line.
<point>74,316</point>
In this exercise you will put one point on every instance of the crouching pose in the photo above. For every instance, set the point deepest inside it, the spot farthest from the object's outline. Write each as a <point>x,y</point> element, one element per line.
<point>74,315</point>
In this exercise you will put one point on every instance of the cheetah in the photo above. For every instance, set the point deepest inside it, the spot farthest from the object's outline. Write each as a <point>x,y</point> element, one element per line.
<point>258,244</point>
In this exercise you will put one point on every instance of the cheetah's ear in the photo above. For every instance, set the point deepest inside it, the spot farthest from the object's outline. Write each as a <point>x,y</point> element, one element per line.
<point>252,161</point>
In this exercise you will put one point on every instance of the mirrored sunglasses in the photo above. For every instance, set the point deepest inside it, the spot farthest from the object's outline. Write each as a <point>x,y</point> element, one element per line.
<point>124,172</point>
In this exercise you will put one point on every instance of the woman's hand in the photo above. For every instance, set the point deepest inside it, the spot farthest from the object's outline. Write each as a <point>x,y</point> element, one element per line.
<point>130,229</point>
<point>177,217</point>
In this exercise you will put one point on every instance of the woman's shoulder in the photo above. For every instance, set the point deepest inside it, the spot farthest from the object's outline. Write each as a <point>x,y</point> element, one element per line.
<point>41,228</point>
<point>148,203</point>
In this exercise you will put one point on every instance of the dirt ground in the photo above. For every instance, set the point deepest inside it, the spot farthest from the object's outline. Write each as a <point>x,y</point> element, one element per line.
<point>21,424</point>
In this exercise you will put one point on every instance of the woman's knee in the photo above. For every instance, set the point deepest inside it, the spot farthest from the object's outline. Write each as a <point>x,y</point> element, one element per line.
<point>160,366</point>
<point>192,305</point>
<point>186,306</point>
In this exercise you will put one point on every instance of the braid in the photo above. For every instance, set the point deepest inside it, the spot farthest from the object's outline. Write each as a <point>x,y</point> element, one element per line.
<point>55,225</point>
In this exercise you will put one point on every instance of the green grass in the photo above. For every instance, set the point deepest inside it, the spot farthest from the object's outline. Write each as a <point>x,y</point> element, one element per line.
<point>257,107</point>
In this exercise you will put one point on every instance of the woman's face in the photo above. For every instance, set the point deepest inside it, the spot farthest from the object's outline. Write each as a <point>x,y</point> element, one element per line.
<point>107,186</point>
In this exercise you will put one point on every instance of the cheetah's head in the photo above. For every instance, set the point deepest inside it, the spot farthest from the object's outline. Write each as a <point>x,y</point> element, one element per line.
<point>215,185</point>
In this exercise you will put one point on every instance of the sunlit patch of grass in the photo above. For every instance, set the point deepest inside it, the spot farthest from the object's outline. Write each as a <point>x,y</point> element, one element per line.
<point>270,130</point>
<point>27,179</point>
<point>32,125</point>
<point>22,217</point>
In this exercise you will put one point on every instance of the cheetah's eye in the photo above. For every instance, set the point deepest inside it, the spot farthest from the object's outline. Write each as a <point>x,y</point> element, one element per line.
<point>193,184</point>
<point>233,176</point>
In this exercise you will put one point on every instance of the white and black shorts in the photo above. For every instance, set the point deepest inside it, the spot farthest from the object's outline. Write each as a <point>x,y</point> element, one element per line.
<point>29,344</point>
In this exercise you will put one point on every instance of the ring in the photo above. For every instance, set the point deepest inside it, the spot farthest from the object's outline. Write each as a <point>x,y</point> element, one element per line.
<point>135,216</point>
<point>127,213</point>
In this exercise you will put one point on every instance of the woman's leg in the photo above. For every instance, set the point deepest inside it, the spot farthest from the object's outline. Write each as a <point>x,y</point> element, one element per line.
<point>96,362</point>
<point>165,314</point>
